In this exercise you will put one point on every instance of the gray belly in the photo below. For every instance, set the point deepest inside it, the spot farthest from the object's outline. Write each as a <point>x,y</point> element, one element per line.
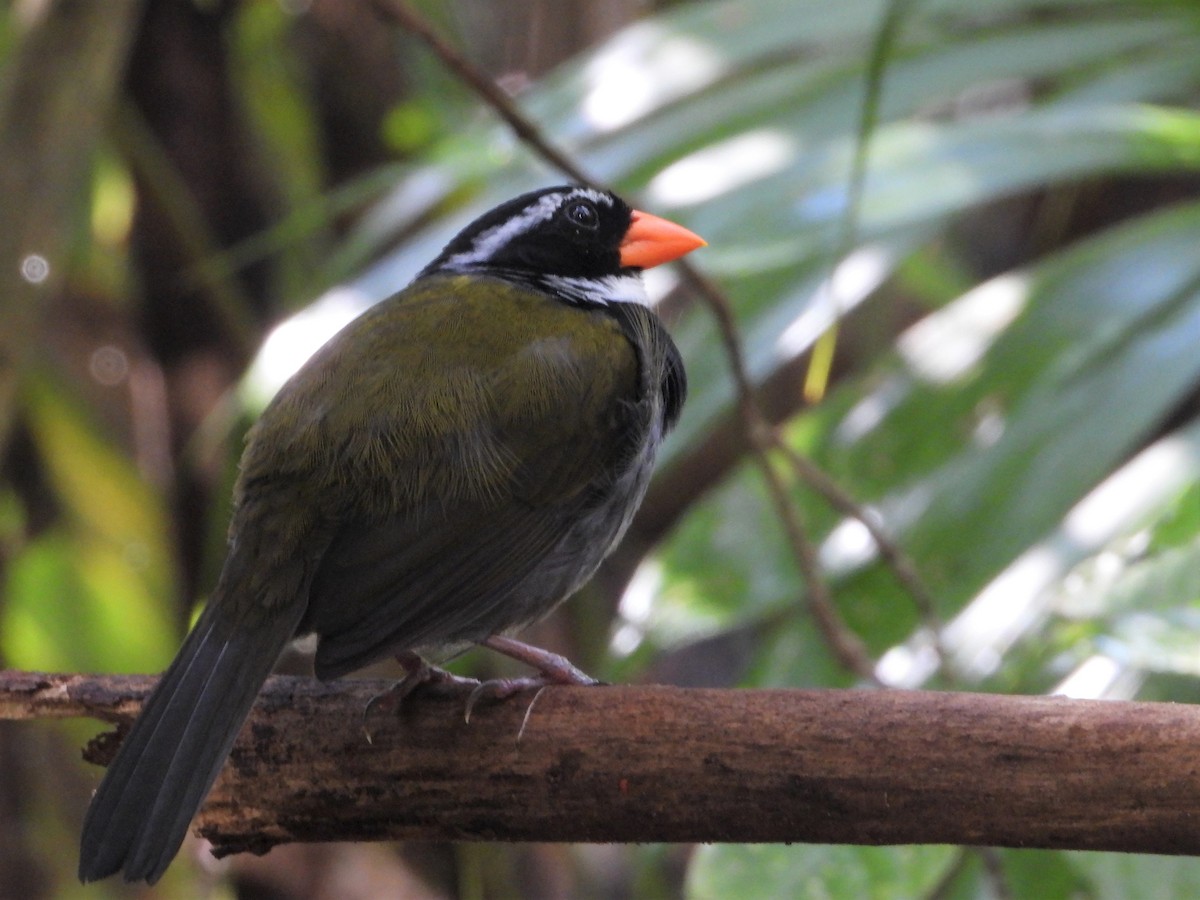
<point>584,545</point>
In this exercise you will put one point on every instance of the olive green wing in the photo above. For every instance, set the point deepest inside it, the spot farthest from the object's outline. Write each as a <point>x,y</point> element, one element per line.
<point>423,583</point>
<point>490,428</point>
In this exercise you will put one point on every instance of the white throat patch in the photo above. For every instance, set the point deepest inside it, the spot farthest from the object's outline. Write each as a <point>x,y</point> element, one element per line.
<point>626,288</point>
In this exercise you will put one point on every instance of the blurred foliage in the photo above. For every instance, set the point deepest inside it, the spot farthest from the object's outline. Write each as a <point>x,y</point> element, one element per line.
<point>72,592</point>
<point>1015,393</point>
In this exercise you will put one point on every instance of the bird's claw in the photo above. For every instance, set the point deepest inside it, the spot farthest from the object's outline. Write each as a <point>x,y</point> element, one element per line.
<point>503,688</point>
<point>418,673</point>
<point>553,669</point>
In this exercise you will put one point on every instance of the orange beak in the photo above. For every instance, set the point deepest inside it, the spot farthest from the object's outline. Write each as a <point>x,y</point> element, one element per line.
<point>651,241</point>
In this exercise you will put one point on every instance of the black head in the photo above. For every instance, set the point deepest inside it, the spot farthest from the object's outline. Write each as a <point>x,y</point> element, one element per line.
<point>567,231</point>
<point>564,239</point>
<point>584,246</point>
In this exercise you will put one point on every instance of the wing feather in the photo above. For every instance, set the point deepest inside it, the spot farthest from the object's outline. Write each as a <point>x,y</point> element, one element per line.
<point>463,467</point>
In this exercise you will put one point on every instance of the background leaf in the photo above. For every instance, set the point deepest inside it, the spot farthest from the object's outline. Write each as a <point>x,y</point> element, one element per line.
<point>1013,392</point>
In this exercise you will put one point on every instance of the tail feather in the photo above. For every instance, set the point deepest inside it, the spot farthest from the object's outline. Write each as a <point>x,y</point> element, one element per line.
<point>176,748</point>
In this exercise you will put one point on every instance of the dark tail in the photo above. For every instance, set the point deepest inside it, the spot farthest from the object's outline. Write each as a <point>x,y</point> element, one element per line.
<point>164,768</point>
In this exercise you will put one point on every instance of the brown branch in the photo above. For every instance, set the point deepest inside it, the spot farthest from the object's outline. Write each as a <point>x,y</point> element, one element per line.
<point>665,764</point>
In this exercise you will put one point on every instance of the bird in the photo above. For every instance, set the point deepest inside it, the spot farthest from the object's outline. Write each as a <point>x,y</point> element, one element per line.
<point>444,471</point>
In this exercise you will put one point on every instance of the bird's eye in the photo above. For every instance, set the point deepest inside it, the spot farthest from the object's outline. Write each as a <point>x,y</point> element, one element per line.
<point>583,214</point>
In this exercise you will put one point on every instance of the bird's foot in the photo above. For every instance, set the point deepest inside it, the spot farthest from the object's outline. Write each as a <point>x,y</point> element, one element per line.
<point>418,672</point>
<point>554,670</point>
<point>501,688</point>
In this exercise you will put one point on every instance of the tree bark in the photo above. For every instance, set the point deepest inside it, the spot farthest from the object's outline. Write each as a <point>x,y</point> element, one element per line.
<point>636,764</point>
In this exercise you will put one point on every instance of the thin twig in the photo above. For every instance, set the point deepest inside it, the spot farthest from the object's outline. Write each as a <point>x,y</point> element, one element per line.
<point>898,561</point>
<point>997,876</point>
<point>400,13</point>
<point>850,650</point>
<point>947,884</point>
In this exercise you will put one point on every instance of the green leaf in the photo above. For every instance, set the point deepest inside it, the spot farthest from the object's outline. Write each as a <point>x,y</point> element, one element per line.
<point>1045,874</point>
<point>816,871</point>
<point>95,592</point>
<point>1182,523</point>
<point>1116,876</point>
<point>995,438</point>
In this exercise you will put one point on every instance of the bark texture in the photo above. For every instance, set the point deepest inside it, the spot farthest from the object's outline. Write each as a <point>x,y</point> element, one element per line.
<point>667,764</point>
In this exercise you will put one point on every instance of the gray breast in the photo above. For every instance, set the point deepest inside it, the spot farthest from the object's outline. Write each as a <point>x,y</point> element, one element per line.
<point>596,532</point>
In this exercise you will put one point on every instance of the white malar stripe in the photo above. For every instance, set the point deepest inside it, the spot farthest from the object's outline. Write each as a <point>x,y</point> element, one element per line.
<point>627,288</point>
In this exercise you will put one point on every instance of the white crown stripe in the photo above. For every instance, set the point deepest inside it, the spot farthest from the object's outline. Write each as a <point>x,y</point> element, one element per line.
<point>575,289</point>
<point>488,243</point>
